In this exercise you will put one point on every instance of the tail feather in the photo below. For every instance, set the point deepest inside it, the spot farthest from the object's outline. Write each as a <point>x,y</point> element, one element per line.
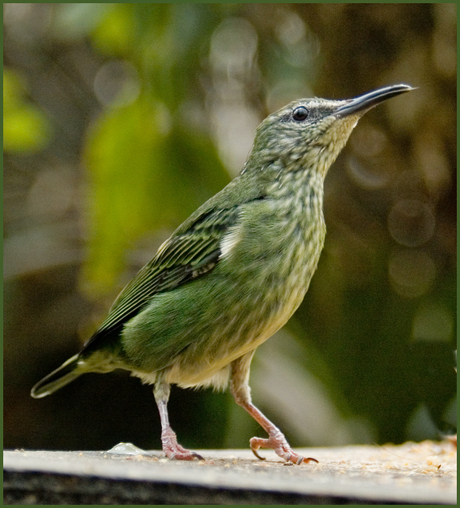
<point>63,375</point>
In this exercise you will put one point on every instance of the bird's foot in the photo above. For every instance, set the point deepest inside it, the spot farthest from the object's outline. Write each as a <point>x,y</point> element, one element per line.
<point>173,450</point>
<point>278,442</point>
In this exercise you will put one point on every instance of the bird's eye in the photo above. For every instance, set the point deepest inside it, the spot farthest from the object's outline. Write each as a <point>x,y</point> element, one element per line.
<point>300,114</point>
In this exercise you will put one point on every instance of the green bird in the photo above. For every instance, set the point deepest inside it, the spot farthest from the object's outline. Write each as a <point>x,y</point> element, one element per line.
<point>232,274</point>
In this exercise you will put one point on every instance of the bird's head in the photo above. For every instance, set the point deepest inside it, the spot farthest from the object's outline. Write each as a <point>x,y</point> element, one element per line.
<point>311,132</point>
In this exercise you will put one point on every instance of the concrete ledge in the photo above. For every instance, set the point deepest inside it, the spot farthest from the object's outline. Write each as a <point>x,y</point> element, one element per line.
<point>423,473</point>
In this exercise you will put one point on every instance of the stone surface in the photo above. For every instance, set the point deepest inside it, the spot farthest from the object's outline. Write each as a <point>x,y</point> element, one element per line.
<point>423,473</point>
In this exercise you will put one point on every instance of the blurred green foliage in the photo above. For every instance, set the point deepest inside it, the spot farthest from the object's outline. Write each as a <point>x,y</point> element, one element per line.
<point>25,127</point>
<point>121,119</point>
<point>129,157</point>
<point>131,151</point>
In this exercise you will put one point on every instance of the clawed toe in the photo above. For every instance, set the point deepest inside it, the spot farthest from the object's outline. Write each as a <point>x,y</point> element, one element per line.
<point>254,451</point>
<point>281,447</point>
<point>305,460</point>
<point>173,450</point>
<point>183,455</point>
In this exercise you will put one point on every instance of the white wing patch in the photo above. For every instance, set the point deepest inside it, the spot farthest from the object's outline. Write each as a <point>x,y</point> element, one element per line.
<point>229,241</point>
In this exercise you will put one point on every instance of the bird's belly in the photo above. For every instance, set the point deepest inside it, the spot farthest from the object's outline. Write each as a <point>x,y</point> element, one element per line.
<point>194,367</point>
<point>207,362</point>
<point>190,337</point>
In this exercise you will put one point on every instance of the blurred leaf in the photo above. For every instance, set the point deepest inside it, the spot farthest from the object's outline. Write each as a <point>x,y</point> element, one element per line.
<point>142,176</point>
<point>114,34</point>
<point>120,159</point>
<point>13,90</point>
<point>25,127</point>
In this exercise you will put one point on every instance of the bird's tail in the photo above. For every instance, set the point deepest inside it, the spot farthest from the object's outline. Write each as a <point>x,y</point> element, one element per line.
<point>63,375</point>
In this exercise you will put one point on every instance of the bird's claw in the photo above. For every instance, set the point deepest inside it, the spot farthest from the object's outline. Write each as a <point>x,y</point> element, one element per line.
<point>305,460</point>
<point>279,444</point>
<point>254,451</point>
<point>180,453</point>
<point>173,450</point>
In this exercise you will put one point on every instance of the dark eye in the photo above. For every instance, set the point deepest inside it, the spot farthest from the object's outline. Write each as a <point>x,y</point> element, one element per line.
<point>299,114</point>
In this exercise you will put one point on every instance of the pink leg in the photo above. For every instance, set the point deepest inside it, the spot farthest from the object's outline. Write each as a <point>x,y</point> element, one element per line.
<point>242,394</point>
<point>171,448</point>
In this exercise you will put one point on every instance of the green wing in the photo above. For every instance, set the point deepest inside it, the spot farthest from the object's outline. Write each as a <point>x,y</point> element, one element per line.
<point>182,258</point>
<point>192,251</point>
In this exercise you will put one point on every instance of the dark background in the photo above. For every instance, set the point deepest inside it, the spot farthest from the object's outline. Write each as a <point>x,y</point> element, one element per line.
<point>120,119</point>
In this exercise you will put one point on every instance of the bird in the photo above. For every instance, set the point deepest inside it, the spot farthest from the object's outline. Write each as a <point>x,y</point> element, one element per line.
<point>232,274</point>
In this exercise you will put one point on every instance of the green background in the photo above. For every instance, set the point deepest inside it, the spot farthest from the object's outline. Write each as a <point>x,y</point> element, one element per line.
<point>120,119</point>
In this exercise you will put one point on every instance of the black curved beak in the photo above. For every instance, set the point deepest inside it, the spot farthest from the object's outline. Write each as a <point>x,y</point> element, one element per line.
<point>361,104</point>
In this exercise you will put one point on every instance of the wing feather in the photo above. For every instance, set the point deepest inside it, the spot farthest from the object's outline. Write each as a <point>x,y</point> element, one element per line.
<point>192,251</point>
<point>182,258</point>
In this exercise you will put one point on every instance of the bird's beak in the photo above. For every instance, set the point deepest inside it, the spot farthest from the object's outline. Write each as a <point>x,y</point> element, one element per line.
<point>361,104</point>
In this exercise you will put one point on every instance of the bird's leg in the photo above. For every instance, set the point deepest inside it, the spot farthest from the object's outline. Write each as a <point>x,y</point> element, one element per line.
<point>239,386</point>
<point>171,448</point>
